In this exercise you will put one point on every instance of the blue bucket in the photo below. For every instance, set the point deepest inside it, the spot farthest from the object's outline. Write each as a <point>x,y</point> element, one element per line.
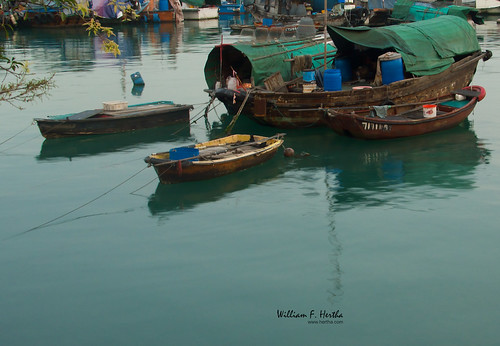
<point>392,68</point>
<point>137,78</point>
<point>344,65</point>
<point>184,153</point>
<point>267,21</point>
<point>332,80</point>
<point>308,75</point>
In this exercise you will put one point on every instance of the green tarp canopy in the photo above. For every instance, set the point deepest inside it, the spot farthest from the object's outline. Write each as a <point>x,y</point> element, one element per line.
<point>407,10</point>
<point>259,61</point>
<point>427,47</point>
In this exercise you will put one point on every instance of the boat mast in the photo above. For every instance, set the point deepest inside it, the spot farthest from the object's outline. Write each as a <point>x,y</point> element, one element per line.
<point>324,29</point>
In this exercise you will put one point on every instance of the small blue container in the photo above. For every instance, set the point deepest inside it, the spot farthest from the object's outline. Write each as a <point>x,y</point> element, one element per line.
<point>332,80</point>
<point>392,69</point>
<point>344,65</point>
<point>137,78</point>
<point>184,153</point>
<point>308,75</point>
<point>163,5</point>
<point>267,21</point>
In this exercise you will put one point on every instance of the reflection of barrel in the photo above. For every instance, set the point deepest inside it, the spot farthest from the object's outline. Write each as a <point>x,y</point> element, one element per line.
<point>163,5</point>
<point>344,65</point>
<point>332,80</point>
<point>391,65</point>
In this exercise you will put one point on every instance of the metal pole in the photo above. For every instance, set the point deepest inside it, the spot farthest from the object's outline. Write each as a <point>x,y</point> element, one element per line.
<point>324,29</point>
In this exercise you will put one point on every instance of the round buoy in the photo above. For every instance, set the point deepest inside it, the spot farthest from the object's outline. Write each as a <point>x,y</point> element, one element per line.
<point>289,152</point>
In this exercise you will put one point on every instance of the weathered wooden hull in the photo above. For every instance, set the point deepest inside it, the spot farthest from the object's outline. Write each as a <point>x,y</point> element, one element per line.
<point>148,116</point>
<point>297,109</point>
<point>177,171</point>
<point>359,126</point>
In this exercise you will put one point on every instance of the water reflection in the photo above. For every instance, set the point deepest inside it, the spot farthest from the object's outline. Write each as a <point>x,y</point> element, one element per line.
<point>362,173</point>
<point>357,172</point>
<point>72,49</point>
<point>335,291</point>
<point>69,148</point>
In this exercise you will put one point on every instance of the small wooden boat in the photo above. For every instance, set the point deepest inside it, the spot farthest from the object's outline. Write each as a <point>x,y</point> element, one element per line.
<point>113,118</point>
<point>213,158</point>
<point>393,121</point>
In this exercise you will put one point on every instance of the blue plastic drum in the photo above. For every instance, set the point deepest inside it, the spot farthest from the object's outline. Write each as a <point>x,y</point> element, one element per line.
<point>391,65</point>
<point>332,80</point>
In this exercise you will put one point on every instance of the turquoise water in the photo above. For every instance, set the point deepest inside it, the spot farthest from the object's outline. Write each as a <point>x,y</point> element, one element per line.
<point>359,242</point>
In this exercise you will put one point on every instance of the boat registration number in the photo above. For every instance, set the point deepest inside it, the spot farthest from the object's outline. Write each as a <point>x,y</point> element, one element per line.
<point>375,127</point>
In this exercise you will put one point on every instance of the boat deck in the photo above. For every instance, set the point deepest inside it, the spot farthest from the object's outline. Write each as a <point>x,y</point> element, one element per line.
<point>224,151</point>
<point>142,109</point>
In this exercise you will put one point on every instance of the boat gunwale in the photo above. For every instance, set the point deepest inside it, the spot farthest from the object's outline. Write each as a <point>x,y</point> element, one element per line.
<point>406,121</point>
<point>117,117</point>
<point>276,143</point>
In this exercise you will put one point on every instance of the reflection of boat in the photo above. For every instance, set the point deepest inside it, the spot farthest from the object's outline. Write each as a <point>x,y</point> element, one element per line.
<point>433,65</point>
<point>363,171</point>
<point>214,158</point>
<point>72,147</point>
<point>117,118</point>
<point>383,122</point>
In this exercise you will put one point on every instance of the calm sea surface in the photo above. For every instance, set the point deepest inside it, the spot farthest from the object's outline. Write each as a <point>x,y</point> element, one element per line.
<point>386,243</point>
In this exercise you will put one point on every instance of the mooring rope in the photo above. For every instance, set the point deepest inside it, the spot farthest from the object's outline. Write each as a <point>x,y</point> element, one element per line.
<point>81,206</point>
<point>8,139</point>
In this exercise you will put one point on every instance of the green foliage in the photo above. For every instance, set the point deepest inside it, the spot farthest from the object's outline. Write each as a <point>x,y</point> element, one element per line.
<point>18,85</point>
<point>95,28</point>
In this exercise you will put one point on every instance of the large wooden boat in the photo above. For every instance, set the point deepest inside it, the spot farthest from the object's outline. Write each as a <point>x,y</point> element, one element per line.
<point>438,56</point>
<point>115,117</point>
<point>387,122</point>
<point>214,158</point>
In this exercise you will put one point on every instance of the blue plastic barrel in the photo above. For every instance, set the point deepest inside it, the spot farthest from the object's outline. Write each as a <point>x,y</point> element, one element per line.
<point>137,78</point>
<point>391,65</point>
<point>182,153</point>
<point>344,65</point>
<point>308,75</point>
<point>267,21</point>
<point>332,80</point>
<point>163,5</point>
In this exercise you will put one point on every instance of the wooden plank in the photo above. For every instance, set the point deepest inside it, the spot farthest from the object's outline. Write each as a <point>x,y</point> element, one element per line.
<point>137,110</point>
<point>84,115</point>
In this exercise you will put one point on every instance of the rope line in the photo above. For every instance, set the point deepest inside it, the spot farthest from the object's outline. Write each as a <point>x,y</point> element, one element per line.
<point>8,139</point>
<point>83,205</point>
